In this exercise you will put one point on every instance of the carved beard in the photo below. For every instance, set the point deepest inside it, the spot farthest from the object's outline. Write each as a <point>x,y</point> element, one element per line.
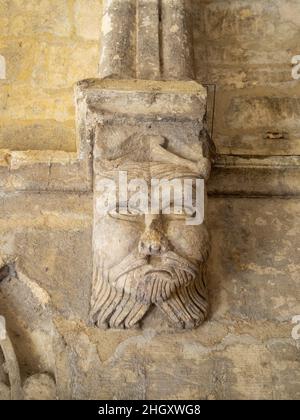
<point>122,295</point>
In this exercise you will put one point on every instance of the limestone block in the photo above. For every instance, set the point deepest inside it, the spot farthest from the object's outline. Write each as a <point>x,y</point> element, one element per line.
<point>261,269</point>
<point>263,176</point>
<point>264,113</point>
<point>44,170</point>
<point>245,48</point>
<point>244,351</point>
<point>40,104</point>
<point>38,135</point>
<point>45,17</point>
<point>20,58</point>
<point>247,23</point>
<point>258,125</point>
<point>60,65</point>
<point>87,14</point>
<point>153,98</point>
<point>4,20</point>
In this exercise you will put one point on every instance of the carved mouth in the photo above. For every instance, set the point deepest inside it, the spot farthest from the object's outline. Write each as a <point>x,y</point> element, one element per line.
<point>157,270</point>
<point>152,280</point>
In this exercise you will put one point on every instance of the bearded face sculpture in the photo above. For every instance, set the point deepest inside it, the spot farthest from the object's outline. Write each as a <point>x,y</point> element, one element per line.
<point>146,259</point>
<point>165,266</point>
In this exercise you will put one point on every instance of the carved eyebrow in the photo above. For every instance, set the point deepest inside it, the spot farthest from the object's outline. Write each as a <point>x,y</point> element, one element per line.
<point>119,206</point>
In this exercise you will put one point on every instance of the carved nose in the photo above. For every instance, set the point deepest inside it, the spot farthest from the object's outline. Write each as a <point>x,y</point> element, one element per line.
<point>150,247</point>
<point>153,240</point>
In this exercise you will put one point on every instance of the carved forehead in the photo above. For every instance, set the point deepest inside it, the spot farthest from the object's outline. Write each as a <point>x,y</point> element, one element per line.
<point>146,157</point>
<point>115,142</point>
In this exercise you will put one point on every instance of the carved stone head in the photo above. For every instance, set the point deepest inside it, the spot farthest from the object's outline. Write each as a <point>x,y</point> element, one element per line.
<point>145,259</point>
<point>145,131</point>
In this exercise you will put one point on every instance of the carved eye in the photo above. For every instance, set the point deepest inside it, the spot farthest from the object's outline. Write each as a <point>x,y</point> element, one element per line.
<point>129,215</point>
<point>179,213</point>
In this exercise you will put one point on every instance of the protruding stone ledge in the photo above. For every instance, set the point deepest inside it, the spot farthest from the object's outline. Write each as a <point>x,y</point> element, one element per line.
<point>43,171</point>
<point>231,175</point>
<point>255,176</point>
<point>51,170</point>
<point>142,97</point>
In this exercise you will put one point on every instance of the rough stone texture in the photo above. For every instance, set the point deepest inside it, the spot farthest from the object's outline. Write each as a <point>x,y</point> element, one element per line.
<point>40,387</point>
<point>150,39</point>
<point>10,363</point>
<point>246,48</point>
<point>48,46</point>
<point>243,47</point>
<point>177,40</point>
<point>151,130</point>
<point>244,351</point>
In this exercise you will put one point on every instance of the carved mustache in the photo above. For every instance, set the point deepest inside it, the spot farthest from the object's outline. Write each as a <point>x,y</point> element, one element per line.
<point>171,263</point>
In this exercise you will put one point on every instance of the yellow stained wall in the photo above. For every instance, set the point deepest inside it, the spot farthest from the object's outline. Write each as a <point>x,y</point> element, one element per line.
<point>48,46</point>
<point>243,47</point>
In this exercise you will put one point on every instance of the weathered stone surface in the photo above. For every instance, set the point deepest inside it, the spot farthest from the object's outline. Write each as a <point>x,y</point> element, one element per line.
<point>59,65</point>
<point>4,392</point>
<point>177,40</point>
<point>147,40</point>
<point>45,17</point>
<point>244,351</point>
<point>47,47</point>
<point>148,57</point>
<point>88,19</point>
<point>261,176</point>
<point>40,387</point>
<point>262,40</point>
<point>157,262</point>
<point>39,135</point>
<point>44,170</point>
<point>246,48</point>
<point>10,361</point>
<point>258,125</point>
<point>117,57</point>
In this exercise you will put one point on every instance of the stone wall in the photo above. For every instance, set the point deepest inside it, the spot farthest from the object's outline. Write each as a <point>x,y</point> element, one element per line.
<point>243,47</point>
<point>246,349</point>
<point>48,45</point>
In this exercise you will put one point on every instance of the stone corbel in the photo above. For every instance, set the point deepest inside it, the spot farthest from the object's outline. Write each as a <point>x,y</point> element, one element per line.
<point>145,118</point>
<point>147,130</point>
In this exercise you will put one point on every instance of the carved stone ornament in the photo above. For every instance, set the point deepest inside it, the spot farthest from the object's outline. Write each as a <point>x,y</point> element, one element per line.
<point>145,132</point>
<point>145,120</point>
